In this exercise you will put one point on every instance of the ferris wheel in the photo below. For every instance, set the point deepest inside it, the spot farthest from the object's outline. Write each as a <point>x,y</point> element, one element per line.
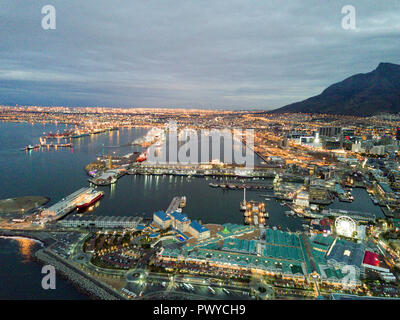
<point>345,226</point>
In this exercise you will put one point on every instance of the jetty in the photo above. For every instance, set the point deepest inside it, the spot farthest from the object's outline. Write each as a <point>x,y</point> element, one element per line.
<point>176,204</point>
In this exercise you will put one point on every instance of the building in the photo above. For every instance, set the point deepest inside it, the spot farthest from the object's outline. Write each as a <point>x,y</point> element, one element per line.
<point>199,231</point>
<point>358,147</point>
<point>91,221</point>
<point>347,133</point>
<point>162,219</point>
<point>372,262</point>
<point>346,253</point>
<point>330,131</point>
<point>385,191</point>
<point>180,221</point>
<point>377,150</point>
<point>65,205</point>
<point>318,193</point>
<point>302,199</point>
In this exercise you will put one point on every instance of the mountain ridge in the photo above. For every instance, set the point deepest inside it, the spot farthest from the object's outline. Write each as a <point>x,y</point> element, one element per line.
<point>362,94</point>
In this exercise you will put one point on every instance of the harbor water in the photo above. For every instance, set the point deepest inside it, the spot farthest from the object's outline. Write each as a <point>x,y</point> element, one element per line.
<point>57,173</point>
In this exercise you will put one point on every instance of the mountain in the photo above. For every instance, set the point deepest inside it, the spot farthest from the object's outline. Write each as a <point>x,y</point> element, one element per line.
<point>363,94</point>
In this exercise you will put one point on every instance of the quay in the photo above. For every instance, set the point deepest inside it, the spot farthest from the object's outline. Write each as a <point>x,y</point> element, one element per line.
<point>236,186</point>
<point>356,215</point>
<point>65,205</point>
<point>107,177</point>
<point>176,204</point>
<point>206,170</point>
<point>48,146</point>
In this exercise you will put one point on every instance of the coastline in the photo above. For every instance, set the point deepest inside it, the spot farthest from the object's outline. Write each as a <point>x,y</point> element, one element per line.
<point>81,281</point>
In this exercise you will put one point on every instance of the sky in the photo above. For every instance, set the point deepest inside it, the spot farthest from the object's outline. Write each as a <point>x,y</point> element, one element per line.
<point>236,54</point>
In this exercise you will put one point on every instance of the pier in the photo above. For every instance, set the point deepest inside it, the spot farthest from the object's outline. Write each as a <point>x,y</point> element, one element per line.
<point>175,204</point>
<point>65,205</point>
<point>236,186</point>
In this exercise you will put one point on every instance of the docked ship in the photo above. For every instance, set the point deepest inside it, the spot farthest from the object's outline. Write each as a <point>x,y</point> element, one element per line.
<point>89,199</point>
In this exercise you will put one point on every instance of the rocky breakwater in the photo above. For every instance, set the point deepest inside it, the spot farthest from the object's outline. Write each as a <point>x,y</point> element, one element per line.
<point>84,282</point>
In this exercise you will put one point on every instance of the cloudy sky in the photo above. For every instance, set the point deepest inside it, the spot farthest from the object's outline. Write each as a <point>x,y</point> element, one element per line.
<point>239,54</point>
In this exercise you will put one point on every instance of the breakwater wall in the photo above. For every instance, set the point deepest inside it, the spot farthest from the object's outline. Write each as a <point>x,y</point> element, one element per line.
<point>85,283</point>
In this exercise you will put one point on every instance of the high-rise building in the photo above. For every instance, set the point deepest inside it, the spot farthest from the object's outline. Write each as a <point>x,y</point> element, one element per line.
<point>329,131</point>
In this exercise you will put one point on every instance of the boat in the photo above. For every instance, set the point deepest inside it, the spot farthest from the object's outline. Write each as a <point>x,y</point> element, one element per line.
<point>182,203</point>
<point>213,185</point>
<point>132,171</point>
<point>90,199</point>
<point>211,290</point>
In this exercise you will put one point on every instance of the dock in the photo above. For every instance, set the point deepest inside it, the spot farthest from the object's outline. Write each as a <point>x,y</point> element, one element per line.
<point>65,205</point>
<point>175,204</point>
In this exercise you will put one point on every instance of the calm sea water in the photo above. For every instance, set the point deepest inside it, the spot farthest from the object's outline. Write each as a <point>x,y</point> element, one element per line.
<point>21,277</point>
<point>57,173</point>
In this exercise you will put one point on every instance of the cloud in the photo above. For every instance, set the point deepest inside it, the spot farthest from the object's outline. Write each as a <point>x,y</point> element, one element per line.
<point>227,54</point>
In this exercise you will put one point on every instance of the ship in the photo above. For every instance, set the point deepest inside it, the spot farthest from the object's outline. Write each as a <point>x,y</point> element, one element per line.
<point>89,199</point>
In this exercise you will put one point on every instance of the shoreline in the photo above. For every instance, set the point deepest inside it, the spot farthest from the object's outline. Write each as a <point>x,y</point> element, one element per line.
<point>81,281</point>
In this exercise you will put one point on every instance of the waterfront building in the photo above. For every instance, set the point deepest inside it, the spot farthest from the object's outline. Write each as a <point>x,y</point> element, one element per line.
<point>180,221</point>
<point>302,199</point>
<point>91,221</point>
<point>162,219</point>
<point>385,191</point>
<point>65,205</point>
<point>290,255</point>
<point>346,253</point>
<point>318,193</point>
<point>198,231</point>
